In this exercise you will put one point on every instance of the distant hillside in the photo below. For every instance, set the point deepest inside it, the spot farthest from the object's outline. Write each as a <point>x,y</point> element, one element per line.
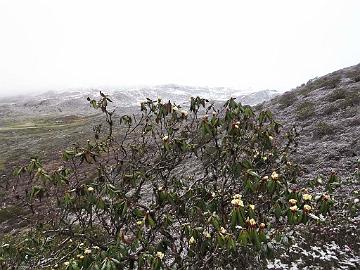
<point>74,102</point>
<point>326,111</point>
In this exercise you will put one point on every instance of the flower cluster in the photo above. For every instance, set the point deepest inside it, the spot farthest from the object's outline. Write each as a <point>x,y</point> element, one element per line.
<point>236,201</point>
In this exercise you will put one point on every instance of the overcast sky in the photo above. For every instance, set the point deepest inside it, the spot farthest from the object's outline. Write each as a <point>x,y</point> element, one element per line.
<point>49,45</point>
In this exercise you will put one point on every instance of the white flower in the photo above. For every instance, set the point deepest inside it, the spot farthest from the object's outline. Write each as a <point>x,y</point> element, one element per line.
<point>90,189</point>
<point>252,207</point>
<point>222,230</point>
<point>356,201</point>
<point>175,108</point>
<point>87,251</point>
<point>165,138</point>
<point>192,240</point>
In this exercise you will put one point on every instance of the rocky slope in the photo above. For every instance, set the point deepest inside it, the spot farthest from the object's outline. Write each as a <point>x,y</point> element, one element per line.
<point>326,111</point>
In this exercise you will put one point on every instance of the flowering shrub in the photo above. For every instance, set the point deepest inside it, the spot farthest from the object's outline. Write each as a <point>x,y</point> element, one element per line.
<point>168,188</point>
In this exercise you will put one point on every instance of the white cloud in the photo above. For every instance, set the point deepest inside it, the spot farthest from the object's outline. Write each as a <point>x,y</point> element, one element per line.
<point>257,44</point>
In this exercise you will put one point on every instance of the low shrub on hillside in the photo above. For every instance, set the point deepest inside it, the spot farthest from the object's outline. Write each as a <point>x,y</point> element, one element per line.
<point>169,188</point>
<point>305,110</point>
<point>328,82</point>
<point>323,129</point>
<point>287,99</point>
<point>337,94</point>
<point>330,109</point>
<point>352,99</point>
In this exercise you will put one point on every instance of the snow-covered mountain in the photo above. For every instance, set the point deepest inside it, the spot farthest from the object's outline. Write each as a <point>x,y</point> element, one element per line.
<point>74,101</point>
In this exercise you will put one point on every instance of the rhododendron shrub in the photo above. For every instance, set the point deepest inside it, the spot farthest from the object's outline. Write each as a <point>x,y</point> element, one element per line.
<point>168,187</point>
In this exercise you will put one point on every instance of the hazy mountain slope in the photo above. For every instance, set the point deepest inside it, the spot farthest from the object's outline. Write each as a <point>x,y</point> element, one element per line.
<point>74,102</point>
<point>326,111</point>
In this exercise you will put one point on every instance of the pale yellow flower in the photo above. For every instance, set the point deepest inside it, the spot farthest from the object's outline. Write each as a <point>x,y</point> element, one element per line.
<point>307,197</point>
<point>139,222</point>
<point>265,177</point>
<point>275,175</point>
<point>160,255</point>
<point>237,196</point>
<point>252,222</point>
<point>222,230</point>
<point>87,251</point>
<point>262,225</point>
<point>207,234</point>
<point>165,138</point>
<point>237,202</point>
<point>90,189</point>
<point>184,113</point>
<point>292,201</point>
<point>192,240</point>
<point>293,208</point>
<point>252,207</point>
<point>307,208</point>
